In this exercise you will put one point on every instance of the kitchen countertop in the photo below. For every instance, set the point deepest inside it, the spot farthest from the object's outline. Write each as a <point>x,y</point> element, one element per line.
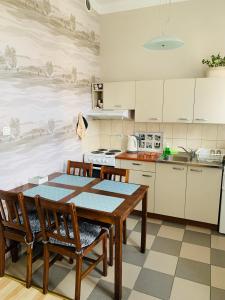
<point>140,156</point>
<point>155,157</point>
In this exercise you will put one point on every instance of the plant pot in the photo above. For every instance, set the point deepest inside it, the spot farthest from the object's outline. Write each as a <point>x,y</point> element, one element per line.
<point>216,72</point>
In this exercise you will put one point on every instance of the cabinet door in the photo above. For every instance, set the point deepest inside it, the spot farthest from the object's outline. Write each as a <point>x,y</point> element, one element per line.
<point>203,194</point>
<point>209,100</point>
<point>119,95</point>
<point>149,101</point>
<point>170,185</point>
<point>178,100</point>
<point>146,178</point>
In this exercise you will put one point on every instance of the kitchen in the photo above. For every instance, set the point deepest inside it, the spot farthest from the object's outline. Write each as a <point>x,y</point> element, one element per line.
<point>157,113</point>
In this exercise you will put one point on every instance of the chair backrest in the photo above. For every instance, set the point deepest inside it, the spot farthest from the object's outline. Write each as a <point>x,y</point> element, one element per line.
<point>115,174</point>
<point>13,214</point>
<point>79,168</point>
<point>58,221</point>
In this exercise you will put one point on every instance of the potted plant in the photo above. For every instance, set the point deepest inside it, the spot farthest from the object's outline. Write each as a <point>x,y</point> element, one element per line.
<point>216,65</point>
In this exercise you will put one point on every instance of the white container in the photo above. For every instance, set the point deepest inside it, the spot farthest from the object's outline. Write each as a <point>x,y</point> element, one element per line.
<point>216,72</point>
<point>38,180</point>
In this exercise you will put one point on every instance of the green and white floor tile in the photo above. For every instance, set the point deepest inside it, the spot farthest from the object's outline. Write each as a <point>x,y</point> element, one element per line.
<point>180,263</point>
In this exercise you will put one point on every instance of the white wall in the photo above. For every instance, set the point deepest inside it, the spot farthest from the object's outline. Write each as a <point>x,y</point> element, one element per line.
<point>200,23</point>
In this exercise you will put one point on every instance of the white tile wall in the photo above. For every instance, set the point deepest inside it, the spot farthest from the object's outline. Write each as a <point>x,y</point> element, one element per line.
<point>114,134</point>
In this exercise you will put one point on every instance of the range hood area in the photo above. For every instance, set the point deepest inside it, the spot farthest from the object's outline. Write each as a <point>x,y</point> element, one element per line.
<point>110,114</point>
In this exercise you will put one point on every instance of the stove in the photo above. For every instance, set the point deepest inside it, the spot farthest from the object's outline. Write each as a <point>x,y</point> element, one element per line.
<point>102,157</point>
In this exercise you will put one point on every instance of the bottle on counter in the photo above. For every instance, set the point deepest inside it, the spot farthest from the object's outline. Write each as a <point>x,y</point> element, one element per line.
<point>166,152</point>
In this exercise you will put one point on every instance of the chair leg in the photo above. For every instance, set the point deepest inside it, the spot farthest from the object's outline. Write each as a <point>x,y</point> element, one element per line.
<point>14,251</point>
<point>125,232</point>
<point>29,266</point>
<point>46,269</point>
<point>2,256</point>
<point>104,252</point>
<point>78,277</point>
<point>111,245</point>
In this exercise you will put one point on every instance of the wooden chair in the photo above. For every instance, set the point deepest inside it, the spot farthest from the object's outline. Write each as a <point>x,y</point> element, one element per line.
<point>79,168</point>
<point>122,175</point>
<point>112,173</point>
<point>69,238</point>
<point>17,225</point>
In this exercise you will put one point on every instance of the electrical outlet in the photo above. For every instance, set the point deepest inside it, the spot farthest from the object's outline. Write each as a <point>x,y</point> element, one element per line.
<point>6,131</point>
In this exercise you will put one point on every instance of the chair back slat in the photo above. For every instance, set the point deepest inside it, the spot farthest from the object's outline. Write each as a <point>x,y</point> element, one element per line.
<point>115,174</point>
<point>13,213</point>
<point>66,225</point>
<point>79,168</point>
<point>62,214</point>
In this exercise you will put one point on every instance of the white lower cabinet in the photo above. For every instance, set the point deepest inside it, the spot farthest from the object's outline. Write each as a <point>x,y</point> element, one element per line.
<point>203,194</point>
<point>145,178</point>
<point>170,185</point>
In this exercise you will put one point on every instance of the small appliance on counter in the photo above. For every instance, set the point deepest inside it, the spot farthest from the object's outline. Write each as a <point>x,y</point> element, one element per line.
<point>132,144</point>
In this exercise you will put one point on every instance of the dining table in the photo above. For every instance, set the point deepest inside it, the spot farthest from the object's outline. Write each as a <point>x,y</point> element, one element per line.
<point>98,200</point>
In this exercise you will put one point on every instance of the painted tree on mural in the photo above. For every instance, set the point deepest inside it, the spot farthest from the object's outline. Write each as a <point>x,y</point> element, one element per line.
<point>51,126</point>
<point>10,57</point>
<point>49,68</point>
<point>14,127</point>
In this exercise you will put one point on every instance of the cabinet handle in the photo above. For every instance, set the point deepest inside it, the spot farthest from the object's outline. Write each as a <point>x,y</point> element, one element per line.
<point>200,119</point>
<point>178,169</point>
<point>154,119</point>
<point>195,170</point>
<point>182,119</point>
<point>144,175</point>
<point>117,105</point>
<point>136,164</point>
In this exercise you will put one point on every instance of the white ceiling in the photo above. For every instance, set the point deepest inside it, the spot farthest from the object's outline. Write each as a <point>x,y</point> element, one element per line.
<point>112,6</point>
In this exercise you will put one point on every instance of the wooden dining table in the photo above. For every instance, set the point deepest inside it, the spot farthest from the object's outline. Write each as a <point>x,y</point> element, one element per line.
<point>115,217</point>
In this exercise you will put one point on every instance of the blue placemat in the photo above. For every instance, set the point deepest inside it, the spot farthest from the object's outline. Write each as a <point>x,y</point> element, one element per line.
<point>98,202</point>
<point>73,180</point>
<point>117,187</point>
<point>48,192</point>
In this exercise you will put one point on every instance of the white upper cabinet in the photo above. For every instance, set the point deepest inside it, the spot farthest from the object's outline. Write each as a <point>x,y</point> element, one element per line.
<point>209,100</point>
<point>178,100</point>
<point>149,101</point>
<point>119,95</point>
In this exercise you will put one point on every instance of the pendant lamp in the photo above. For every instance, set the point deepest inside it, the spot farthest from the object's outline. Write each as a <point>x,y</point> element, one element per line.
<point>164,42</point>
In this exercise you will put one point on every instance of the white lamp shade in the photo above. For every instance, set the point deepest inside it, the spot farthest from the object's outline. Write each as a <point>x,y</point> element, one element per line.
<point>164,43</point>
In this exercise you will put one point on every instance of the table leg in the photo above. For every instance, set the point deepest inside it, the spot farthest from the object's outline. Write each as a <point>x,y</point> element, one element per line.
<point>144,223</point>
<point>118,259</point>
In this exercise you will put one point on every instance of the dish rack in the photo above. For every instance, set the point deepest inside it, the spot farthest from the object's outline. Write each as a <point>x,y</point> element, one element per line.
<point>210,155</point>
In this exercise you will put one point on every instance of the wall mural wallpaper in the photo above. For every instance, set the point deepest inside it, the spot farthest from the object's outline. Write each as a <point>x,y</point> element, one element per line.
<point>49,55</point>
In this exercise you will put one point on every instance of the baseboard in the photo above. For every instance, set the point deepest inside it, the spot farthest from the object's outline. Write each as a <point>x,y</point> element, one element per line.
<point>178,220</point>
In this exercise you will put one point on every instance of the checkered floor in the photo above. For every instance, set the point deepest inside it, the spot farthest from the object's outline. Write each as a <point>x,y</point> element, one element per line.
<point>180,263</point>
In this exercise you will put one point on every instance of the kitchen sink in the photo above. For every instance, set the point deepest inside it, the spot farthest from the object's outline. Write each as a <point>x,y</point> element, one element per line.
<point>180,158</point>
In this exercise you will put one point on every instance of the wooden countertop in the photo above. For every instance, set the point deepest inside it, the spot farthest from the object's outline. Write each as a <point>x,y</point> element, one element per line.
<point>141,156</point>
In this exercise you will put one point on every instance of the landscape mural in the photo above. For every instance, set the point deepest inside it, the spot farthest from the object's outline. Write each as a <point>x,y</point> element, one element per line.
<point>49,55</point>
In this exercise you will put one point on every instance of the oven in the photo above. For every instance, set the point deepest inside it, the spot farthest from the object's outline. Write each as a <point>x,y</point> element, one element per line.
<point>99,158</point>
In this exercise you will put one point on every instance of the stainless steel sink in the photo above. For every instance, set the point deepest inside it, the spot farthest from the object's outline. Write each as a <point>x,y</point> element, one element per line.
<point>180,158</point>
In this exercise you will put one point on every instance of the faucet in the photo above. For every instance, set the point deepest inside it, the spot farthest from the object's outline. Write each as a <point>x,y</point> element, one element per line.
<point>190,152</point>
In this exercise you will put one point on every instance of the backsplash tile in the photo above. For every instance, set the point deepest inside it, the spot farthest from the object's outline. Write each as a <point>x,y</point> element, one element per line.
<point>180,131</point>
<point>185,135</point>
<point>194,131</point>
<point>209,132</point>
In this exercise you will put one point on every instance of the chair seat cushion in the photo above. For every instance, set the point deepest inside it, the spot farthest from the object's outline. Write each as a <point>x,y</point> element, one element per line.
<point>34,222</point>
<point>88,234</point>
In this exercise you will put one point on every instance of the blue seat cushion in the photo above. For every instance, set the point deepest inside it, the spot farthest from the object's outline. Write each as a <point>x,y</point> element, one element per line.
<point>88,234</point>
<point>34,222</point>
